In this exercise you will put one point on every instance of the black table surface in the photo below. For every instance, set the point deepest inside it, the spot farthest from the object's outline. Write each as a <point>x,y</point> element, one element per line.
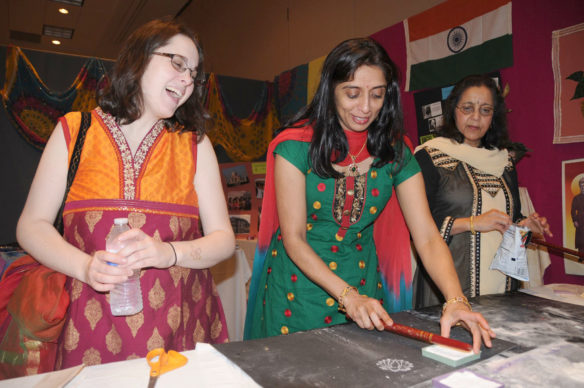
<point>347,356</point>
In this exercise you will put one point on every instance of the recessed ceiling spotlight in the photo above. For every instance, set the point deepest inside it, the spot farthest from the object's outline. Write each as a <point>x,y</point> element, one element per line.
<point>64,11</point>
<point>56,42</point>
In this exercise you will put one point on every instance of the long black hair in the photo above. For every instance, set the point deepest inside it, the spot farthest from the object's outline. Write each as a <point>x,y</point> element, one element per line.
<point>123,97</point>
<point>497,135</point>
<point>385,132</point>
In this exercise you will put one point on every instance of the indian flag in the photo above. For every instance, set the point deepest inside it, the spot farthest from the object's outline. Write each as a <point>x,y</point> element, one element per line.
<point>455,39</point>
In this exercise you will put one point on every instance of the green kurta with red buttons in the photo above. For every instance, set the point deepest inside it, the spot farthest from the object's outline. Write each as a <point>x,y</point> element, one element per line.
<point>340,214</point>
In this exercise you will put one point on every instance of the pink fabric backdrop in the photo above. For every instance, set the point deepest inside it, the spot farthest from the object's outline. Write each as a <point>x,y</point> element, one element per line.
<point>531,100</point>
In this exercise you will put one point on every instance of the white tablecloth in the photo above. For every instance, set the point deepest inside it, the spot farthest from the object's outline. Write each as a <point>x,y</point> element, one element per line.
<point>231,277</point>
<point>567,293</point>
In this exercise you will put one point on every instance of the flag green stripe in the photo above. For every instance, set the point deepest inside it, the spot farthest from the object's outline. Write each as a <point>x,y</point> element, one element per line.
<point>489,56</point>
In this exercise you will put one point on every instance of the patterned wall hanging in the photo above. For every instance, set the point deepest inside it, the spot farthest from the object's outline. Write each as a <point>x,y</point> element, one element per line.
<point>246,139</point>
<point>34,108</point>
<point>291,94</point>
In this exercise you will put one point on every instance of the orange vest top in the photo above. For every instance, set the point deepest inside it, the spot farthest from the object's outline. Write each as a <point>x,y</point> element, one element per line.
<point>161,172</point>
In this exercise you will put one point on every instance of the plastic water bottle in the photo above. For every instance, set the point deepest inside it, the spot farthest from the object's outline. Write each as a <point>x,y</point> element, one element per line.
<point>126,297</point>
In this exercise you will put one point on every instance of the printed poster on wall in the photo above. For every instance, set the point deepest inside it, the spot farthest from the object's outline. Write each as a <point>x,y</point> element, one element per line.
<point>429,111</point>
<point>573,211</point>
<point>568,66</point>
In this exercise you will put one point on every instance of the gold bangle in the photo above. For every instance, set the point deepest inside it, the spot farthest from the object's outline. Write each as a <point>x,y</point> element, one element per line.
<point>472,229</point>
<point>343,294</point>
<point>458,299</point>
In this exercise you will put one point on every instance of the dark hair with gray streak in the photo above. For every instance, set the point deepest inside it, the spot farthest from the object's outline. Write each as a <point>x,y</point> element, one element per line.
<point>497,135</point>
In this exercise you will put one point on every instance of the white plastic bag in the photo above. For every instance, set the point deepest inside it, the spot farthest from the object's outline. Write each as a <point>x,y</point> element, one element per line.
<point>511,257</point>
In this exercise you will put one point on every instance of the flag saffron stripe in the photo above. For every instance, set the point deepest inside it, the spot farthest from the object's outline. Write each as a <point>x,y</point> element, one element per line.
<point>448,15</point>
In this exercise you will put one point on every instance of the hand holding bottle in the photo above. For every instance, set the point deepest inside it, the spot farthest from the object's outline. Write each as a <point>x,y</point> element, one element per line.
<point>126,297</point>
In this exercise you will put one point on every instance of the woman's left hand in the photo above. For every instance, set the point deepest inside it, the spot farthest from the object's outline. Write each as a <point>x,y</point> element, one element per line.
<point>537,224</point>
<point>475,323</point>
<point>143,251</point>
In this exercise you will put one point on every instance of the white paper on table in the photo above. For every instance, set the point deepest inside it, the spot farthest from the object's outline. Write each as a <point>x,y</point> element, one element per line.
<point>206,367</point>
<point>467,379</point>
<point>59,378</point>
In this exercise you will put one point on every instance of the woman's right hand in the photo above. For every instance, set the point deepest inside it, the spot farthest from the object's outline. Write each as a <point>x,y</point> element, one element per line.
<point>492,220</point>
<point>102,276</point>
<point>367,312</point>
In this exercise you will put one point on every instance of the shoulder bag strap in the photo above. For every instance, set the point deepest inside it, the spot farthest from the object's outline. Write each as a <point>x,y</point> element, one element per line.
<point>73,164</point>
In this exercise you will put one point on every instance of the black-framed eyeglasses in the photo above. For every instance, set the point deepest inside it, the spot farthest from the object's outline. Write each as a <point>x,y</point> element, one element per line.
<point>469,108</point>
<point>179,63</point>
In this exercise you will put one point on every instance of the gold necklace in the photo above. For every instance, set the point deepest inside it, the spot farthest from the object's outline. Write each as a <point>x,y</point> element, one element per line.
<point>353,167</point>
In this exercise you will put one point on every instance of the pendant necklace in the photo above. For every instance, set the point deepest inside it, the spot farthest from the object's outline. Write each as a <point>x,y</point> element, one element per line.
<point>353,167</point>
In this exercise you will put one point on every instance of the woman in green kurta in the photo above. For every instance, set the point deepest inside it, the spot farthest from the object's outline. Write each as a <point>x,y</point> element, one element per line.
<point>331,176</point>
<point>329,210</point>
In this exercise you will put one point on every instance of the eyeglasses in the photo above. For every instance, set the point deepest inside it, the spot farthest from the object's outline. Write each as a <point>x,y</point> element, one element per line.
<point>179,63</point>
<point>468,108</point>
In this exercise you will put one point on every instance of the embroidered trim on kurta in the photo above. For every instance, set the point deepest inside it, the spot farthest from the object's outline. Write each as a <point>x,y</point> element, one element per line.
<point>358,198</point>
<point>442,160</point>
<point>475,240</point>
<point>131,165</point>
<point>446,228</point>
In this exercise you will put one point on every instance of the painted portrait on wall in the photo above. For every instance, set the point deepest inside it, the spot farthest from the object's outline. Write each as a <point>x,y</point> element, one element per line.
<point>573,211</point>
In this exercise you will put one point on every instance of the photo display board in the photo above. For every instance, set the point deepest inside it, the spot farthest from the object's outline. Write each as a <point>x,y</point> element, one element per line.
<point>243,185</point>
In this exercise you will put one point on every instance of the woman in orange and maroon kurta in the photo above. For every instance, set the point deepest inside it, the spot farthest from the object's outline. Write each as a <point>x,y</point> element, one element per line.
<point>145,157</point>
<point>328,230</point>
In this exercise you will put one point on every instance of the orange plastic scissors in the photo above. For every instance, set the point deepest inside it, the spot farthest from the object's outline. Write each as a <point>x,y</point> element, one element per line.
<point>161,362</point>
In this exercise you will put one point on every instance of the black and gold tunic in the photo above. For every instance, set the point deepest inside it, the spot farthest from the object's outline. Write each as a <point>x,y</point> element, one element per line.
<point>456,189</point>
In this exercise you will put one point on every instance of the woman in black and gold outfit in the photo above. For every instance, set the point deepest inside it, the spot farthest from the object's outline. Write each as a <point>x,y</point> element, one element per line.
<point>471,185</point>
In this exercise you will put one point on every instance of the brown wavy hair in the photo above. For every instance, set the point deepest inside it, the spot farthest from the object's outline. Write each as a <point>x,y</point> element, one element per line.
<point>123,96</point>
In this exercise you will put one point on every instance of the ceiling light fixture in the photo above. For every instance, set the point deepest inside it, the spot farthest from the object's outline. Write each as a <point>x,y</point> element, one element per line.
<point>78,3</point>
<point>64,11</point>
<point>56,42</point>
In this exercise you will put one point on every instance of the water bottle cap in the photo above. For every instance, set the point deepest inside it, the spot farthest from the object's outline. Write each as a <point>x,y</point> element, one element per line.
<point>120,221</point>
